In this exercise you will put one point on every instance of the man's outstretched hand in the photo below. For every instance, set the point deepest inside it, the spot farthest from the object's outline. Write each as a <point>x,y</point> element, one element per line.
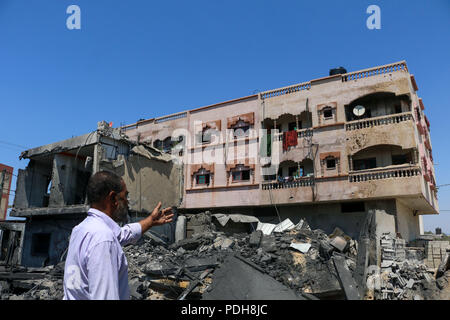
<point>157,217</point>
<point>161,217</point>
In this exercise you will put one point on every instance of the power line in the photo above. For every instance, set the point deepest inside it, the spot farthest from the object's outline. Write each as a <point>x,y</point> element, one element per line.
<point>14,145</point>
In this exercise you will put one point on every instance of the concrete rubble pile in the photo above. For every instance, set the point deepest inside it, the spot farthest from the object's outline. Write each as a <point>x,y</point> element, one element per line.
<point>403,278</point>
<point>298,258</point>
<point>229,257</point>
<point>20,283</point>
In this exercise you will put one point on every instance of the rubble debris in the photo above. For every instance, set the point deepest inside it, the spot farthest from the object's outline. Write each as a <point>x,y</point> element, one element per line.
<point>298,263</point>
<point>20,283</point>
<point>443,266</point>
<point>339,243</point>
<point>345,278</point>
<point>255,238</point>
<point>238,280</point>
<point>403,279</point>
<point>199,223</point>
<point>238,218</point>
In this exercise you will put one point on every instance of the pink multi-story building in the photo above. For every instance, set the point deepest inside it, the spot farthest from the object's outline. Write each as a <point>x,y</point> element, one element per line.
<point>328,150</point>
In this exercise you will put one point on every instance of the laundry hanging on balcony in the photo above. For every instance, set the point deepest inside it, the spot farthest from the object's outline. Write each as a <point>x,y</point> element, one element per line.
<point>289,139</point>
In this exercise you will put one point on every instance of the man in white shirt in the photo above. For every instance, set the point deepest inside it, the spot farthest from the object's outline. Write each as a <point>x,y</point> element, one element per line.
<point>96,267</point>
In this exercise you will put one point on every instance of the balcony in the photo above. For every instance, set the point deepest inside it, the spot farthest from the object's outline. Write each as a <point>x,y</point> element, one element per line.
<point>378,121</point>
<point>295,183</point>
<point>393,172</point>
<point>302,133</point>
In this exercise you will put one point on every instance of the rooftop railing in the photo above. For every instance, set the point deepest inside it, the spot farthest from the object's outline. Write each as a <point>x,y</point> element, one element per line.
<point>297,183</point>
<point>171,117</point>
<point>393,67</point>
<point>286,90</point>
<point>384,173</point>
<point>388,68</point>
<point>378,121</point>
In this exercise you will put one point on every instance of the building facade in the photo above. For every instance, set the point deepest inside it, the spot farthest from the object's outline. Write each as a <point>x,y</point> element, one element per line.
<point>327,150</point>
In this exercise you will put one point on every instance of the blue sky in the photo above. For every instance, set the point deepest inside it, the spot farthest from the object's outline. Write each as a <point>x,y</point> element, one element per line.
<point>142,59</point>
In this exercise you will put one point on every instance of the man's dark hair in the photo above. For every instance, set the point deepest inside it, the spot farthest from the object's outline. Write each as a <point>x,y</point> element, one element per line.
<point>101,184</point>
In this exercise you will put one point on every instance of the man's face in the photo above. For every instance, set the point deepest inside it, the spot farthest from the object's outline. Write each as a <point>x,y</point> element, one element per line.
<point>121,212</point>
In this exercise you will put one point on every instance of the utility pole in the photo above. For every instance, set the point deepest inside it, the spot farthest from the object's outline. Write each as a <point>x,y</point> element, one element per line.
<point>2,182</point>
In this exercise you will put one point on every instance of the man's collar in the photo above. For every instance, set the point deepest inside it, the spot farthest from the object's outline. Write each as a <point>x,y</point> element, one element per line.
<point>106,219</point>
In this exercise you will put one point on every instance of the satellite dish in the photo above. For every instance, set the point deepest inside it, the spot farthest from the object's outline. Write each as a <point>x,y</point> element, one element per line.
<point>359,111</point>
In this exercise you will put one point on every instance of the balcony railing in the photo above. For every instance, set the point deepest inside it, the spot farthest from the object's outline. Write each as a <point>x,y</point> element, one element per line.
<point>393,67</point>
<point>384,173</point>
<point>378,121</point>
<point>301,182</point>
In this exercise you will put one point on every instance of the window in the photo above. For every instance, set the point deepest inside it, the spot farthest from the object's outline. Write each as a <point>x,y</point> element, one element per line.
<point>293,171</point>
<point>167,144</point>
<point>363,164</point>
<point>202,179</point>
<point>40,244</point>
<point>327,112</point>
<point>241,129</point>
<point>400,159</point>
<point>206,135</point>
<point>241,175</point>
<point>398,108</point>
<point>352,207</point>
<point>331,163</point>
<point>4,240</point>
<point>157,144</point>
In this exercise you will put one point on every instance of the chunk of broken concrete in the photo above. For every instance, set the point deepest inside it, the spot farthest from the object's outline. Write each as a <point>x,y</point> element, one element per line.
<point>236,279</point>
<point>410,283</point>
<point>227,244</point>
<point>325,249</point>
<point>268,244</point>
<point>255,238</point>
<point>339,243</point>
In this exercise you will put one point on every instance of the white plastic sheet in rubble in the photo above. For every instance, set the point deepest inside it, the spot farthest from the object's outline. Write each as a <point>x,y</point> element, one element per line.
<point>284,225</point>
<point>302,247</point>
<point>266,228</point>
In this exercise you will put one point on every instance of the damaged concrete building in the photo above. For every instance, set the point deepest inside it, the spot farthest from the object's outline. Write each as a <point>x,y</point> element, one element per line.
<point>51,191</point>
<point>328,150</point>
<point>292,193</point>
